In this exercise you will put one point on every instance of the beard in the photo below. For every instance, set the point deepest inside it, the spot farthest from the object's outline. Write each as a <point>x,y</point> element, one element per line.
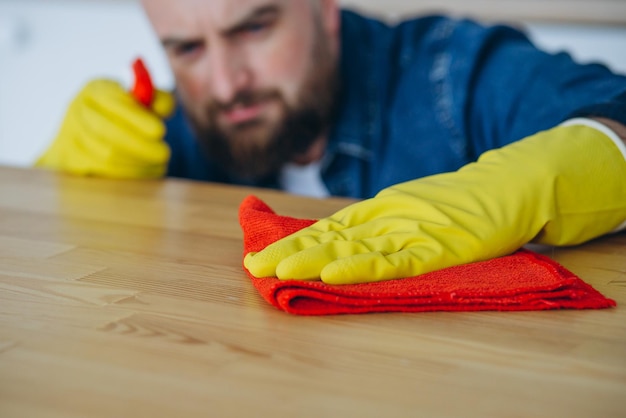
<point>259,148</point>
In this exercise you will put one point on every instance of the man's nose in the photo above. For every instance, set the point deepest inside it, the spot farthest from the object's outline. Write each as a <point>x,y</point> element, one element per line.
<point>229,74</point>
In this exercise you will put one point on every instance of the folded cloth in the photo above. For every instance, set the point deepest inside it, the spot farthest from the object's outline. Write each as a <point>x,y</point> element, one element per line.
<point>521,281</point>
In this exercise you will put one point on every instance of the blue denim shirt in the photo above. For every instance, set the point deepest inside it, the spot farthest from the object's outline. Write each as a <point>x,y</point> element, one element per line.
<point>429,95</point>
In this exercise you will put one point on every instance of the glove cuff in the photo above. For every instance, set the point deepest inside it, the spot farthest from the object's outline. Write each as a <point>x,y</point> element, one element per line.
<point>610,134</point>
<point>599,127</point>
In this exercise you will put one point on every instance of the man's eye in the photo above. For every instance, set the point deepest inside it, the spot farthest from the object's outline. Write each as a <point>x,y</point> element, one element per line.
<point>254,27</point>
<point>187,48</point>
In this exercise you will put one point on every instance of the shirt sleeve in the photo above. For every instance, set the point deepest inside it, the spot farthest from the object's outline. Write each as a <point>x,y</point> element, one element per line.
<point>516,90</point>
<point>614,109</point>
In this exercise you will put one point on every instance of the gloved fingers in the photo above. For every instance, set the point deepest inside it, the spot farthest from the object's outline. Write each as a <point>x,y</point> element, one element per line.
<point>264,263</point>
<point>322,226</point>
<point>52,157</point>
<point>379,227</point>
<point>311,246</point>
<point>374,216</point>
<point>113,142</point>
<point>309,263</point>
<point>393,205</point>
<point>110,99</point>
<point>377,266</point>
<point>360,220</point>
<point>86,163</point>
<point>131,171</point>
<point>163,103</point>
<point>416,256</point>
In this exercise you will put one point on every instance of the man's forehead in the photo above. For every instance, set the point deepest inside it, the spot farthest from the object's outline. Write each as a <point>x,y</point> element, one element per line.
<point>216,14</point>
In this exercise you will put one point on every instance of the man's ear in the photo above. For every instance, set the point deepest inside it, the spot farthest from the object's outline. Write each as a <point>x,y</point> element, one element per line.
<point>329,11</point>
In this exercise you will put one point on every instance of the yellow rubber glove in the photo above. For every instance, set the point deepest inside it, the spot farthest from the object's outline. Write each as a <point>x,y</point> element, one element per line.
<point>107,133</point>
<point>560,187</point>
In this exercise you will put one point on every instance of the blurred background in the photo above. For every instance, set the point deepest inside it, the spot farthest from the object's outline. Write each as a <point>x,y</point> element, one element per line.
<point>50,48</point>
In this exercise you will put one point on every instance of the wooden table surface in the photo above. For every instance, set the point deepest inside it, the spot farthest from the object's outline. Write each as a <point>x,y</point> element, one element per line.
<point>127,299</point>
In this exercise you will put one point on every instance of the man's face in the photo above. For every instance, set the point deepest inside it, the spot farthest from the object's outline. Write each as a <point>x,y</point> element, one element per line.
<point>257,77</point>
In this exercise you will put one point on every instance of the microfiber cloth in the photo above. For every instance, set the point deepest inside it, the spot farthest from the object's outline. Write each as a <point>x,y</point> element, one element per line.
<point>521,281</point>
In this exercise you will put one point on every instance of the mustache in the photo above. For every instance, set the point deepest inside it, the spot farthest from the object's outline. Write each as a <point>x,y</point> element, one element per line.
<point>243,98</point>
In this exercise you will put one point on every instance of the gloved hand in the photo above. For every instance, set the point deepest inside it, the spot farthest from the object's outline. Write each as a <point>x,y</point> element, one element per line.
<point>107,133</point>
<point>560,187</point>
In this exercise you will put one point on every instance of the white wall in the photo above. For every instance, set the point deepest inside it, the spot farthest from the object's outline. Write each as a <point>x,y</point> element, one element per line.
<point>587,43</point>
<point>50,48</point>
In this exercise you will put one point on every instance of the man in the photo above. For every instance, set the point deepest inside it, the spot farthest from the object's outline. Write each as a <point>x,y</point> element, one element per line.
<point>270,91</point>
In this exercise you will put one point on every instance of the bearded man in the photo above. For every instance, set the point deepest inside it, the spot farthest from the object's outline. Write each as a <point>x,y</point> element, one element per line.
<point>466,140</point>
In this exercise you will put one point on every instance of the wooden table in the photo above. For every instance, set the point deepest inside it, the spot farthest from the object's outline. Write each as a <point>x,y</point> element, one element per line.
<point>127,299</point>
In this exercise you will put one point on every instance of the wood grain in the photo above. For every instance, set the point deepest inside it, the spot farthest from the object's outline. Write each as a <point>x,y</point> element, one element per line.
<point>127,298</point>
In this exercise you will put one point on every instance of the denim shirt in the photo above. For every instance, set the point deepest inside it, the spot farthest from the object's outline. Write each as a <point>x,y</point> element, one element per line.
<point>429,95</point>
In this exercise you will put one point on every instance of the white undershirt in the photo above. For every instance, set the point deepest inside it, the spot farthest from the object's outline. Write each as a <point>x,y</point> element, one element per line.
<point>304,180</point>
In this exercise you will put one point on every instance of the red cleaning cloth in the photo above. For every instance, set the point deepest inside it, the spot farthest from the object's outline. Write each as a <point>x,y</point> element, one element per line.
<point>522,281</point>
